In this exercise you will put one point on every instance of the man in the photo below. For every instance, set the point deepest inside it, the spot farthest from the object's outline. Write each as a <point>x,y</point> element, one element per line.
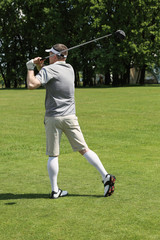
<point>58,79</point>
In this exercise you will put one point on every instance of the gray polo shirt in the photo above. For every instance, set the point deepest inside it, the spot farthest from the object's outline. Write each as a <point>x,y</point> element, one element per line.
<point>58,79</point>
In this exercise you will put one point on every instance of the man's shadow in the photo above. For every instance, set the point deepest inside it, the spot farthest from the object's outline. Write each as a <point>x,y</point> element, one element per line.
<point>11,196</point>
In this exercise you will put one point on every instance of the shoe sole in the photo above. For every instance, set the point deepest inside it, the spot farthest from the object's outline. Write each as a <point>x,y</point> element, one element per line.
<point>111,183</point>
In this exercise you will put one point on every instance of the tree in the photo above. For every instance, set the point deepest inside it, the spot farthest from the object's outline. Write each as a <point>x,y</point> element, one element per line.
<point>140,20</point>
<point>32,26</point>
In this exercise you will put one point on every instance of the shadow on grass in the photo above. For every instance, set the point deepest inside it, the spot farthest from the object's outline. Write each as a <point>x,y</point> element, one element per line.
<point>11,196</point>
<point>85,195</point>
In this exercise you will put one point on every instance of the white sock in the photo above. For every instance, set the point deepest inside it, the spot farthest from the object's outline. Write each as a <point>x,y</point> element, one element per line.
<point>53,169</point>
<point>96,162</point>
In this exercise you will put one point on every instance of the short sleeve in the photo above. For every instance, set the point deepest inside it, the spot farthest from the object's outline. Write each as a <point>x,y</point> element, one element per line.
<point>45,75</point>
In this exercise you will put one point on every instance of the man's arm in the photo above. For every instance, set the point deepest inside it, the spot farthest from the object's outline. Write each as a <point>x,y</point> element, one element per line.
<point>32,81</point>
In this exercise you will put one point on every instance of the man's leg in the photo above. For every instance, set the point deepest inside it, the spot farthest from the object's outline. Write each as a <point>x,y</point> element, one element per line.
<point>107,179</point>
<point>93,159</point>
<point>77,141</point>
<point>53,169</point>
<point>53,136</point>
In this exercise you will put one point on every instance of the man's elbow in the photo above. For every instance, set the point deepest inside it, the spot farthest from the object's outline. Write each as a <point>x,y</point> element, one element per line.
<point>31,86</point>
<point>32,81</point>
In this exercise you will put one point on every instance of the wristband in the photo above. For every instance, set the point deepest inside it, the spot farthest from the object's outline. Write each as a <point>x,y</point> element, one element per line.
<point>30,65</point>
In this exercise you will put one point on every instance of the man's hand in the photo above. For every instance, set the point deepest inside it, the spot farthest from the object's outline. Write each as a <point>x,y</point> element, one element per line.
<point>39,63</point>
<point>32,81</point>
<point>35,62</point>
<point>30,65</point>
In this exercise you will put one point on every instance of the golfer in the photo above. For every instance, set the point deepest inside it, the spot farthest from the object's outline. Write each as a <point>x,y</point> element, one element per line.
<point>58,79</point>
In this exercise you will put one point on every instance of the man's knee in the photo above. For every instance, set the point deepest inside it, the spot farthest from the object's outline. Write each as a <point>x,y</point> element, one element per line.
<point>82,152</point>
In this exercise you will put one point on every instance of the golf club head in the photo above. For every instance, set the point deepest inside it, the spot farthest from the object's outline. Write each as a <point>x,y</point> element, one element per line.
<point>120,35</point>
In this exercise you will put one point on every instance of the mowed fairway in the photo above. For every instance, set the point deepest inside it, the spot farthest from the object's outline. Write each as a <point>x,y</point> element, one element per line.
<point>122,125</point>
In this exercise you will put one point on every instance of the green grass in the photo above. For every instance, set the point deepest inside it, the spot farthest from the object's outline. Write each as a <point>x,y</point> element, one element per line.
<point>122,125</point>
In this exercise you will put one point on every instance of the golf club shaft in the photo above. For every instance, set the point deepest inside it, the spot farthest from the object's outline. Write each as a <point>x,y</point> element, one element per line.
<point>80,45</point>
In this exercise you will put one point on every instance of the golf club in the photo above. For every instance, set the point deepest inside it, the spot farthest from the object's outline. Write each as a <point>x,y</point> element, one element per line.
<point>120,34</point>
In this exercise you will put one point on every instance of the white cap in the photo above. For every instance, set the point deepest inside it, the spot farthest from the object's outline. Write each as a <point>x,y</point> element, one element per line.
<point>55,52</point>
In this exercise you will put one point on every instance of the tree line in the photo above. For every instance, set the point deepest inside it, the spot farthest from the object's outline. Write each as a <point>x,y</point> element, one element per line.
<point>28,27</point>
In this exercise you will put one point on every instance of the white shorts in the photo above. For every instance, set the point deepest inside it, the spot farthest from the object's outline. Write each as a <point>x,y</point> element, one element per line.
<point>55,126</point>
